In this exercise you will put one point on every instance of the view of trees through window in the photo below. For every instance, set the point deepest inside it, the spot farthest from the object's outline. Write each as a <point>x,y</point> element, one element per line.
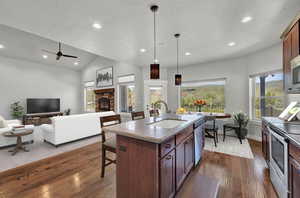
<point>127,97</point>
<point>213,92</point>
<point>89,95</point>
<point>268,95</point>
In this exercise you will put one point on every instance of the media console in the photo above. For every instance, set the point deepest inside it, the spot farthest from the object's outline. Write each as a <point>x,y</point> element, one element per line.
<point>39,118</point>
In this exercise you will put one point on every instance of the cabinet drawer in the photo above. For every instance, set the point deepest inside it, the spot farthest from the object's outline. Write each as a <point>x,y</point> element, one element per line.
<point>294,151</point>
<point>167,146</point>
<point>184,134</point>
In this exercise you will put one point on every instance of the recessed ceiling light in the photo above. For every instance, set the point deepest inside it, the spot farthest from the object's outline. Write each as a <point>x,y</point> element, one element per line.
<point>156,61</point>
<point>187,53</point>
<point>97,26</point>
<point>142,50</point>
<point>231,44</point>
<point>1,46</point>
<point>76,63</point>
<point>45,56</point>
<point>246,19</point>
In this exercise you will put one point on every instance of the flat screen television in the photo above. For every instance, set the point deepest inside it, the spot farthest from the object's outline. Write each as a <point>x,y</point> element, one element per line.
<point>43,105</point>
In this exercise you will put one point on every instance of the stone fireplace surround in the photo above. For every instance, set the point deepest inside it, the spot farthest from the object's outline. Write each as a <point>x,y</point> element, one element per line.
<point>105,99</point>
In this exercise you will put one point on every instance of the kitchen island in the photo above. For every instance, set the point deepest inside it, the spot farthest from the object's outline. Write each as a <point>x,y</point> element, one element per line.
<point>155,155</point>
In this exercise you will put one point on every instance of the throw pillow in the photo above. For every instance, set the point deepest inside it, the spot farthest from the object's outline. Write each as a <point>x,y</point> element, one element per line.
<point>3,123</point>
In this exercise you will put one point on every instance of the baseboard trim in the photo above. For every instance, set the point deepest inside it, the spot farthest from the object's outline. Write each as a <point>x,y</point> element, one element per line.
<point>57,145</point>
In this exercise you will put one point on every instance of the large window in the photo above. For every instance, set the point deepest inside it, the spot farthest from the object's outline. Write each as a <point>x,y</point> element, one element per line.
<point>267,95</point>
<point>212,91</point>
<point>89,97</point>
<point>126,93</point>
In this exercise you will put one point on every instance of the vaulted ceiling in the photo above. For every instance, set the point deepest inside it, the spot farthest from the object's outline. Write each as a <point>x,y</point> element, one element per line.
<point>207,26</point>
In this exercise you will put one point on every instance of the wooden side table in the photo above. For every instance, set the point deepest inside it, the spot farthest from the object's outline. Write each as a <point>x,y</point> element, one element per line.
<point>19,146</point>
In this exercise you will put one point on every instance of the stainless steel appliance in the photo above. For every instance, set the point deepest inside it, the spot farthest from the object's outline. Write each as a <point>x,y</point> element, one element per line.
<point>295,74</point>
<point>199,140</point>
<point>279,162</point>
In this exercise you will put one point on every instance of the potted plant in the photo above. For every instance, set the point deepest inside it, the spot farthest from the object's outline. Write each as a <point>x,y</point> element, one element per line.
<point>16,110</point>
<point>199,104</point>
<point>241,119</point>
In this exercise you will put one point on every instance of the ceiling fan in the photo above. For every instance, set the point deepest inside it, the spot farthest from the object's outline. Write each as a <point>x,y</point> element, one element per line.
<point>59,54</point>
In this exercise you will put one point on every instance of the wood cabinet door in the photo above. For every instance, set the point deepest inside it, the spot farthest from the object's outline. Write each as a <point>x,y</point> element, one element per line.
<point>295,41</point>
<point>167,175</point>
<point>180,168</point>
<point>188,154</point>
<point>287,54</point>
<point>294,178</point>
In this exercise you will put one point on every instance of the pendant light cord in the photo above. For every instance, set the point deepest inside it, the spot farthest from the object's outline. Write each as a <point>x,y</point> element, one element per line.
<point>154,37</point>
<point>177,54</point>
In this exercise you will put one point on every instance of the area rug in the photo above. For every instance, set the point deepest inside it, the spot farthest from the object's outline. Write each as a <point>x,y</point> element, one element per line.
<point>39,150</point>
<point>231,146</point>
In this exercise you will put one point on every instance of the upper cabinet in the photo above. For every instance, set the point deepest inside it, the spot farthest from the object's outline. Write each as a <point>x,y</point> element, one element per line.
<point>291,49</point>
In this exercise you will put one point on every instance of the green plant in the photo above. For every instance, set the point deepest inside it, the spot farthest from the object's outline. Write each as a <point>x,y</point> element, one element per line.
<point>241,119</point>
<point>17,111</point>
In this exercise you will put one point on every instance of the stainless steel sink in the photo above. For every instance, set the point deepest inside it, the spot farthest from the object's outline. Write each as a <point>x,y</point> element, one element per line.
<point>168,123</point>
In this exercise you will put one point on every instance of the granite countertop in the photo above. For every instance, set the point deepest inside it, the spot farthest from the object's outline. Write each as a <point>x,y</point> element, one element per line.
<point>290,130</point>
<point>145,130</point>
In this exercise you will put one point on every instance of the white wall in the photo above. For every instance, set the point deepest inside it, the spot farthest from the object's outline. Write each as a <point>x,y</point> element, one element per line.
<point>21,79</point>
<point>236,71</point>
<point>119,69</point>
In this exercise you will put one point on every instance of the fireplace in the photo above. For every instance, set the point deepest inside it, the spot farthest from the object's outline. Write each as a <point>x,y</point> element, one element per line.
<point>104,104</point>
<point>105,100</point>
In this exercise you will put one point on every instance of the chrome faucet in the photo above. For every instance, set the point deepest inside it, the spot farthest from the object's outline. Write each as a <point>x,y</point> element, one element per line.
<point>160,102</point>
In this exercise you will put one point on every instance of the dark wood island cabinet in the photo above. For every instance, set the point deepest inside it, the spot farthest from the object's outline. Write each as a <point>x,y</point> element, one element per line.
<point>294,170</point>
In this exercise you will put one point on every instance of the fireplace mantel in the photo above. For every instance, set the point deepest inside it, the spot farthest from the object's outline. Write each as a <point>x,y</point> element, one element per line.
<point>105,99</point>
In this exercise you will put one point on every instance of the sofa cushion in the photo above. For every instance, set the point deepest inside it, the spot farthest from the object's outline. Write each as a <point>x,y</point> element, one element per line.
<point>47,127</point>
<point>3,123</point>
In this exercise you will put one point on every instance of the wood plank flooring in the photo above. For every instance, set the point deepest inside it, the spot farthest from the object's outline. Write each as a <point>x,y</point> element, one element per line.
<point>77,174</point>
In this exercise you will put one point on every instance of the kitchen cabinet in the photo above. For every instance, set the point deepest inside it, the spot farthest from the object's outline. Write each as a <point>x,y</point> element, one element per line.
<point>184,159</point>
<point>294,171</point>
<point>291,49</point>
<point>167,175</point>
<point>265,141</point>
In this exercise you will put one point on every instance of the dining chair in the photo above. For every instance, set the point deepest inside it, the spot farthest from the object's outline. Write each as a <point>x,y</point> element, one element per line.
<point>211,129</point>
<point>137,115</point>
<point>153,112</point>
<point>108,144</point>
<point>235,127</point>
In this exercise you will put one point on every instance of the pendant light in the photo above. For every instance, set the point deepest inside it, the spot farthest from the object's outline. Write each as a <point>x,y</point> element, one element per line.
<point>154,68</point>
<point>178,76</point>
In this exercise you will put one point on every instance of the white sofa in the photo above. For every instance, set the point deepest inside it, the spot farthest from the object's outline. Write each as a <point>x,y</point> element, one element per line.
<point>7,141</point>
<point>66,129</point>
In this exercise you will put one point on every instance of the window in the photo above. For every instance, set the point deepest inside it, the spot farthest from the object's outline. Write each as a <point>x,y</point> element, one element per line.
<point>267,95</point>
<point>212,91</point>
<point>89,97</point>
<point>126,93</point>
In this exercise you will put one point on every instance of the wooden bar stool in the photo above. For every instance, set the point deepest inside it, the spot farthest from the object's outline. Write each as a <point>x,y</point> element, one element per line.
<point>138,115</point>
<point>110,143</point>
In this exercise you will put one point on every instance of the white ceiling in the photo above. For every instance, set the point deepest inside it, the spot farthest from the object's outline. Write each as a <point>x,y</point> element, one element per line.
<point>20,44</point>
<point>206,26</point>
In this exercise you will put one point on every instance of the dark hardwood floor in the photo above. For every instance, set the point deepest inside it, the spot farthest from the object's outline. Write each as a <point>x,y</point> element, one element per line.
<point>77,174</point>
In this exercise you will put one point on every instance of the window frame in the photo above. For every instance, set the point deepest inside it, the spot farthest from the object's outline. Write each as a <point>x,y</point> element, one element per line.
<point>85,87</point>
<point>199,81</point>
<point>252,92</point>
<point>127,83</point>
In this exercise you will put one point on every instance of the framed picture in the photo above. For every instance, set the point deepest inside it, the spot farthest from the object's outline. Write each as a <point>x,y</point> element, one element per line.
<point>104,77</point>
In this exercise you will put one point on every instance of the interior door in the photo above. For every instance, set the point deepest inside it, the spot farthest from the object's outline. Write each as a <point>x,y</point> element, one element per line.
<point>154,90</point>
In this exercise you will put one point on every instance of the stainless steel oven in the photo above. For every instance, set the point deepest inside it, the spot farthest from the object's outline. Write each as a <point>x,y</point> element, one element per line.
<point>279,163</point>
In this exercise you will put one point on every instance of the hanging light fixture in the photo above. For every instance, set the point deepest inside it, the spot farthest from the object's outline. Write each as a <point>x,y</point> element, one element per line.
<point>154,68</point>
<point>178,77</point>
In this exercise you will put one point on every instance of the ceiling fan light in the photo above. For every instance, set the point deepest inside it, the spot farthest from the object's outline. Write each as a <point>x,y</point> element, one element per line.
<point>178,79</point>
<point>154,71</point>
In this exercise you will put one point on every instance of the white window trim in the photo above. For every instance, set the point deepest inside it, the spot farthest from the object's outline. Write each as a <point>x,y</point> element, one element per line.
<point>252,92</point>
<point>197,81</point>
<point>84,94</point>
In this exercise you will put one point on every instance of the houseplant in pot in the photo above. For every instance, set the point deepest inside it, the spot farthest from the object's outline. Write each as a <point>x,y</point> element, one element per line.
<point>16,110</point>
<point>241,119</point>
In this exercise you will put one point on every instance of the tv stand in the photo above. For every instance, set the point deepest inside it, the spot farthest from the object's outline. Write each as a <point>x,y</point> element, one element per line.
<point>39,118</point>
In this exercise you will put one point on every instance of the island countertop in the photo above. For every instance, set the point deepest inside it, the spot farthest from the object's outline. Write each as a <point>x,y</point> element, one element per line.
<point>145,129</point>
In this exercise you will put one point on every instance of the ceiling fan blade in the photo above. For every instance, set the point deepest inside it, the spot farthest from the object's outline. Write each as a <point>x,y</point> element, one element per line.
<point>69,56</point>
<point>49,51</point>
<point>58,57</point>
